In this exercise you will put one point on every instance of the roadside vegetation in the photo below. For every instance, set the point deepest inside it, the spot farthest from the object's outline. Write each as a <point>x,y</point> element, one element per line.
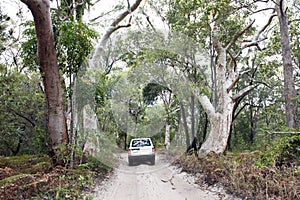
<point>272,172</point>
<point>33,177</point>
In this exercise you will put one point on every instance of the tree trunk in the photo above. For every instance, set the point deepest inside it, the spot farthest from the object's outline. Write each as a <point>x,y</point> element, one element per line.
<point>185,126</point>
<point>220,115</point>
<point>219,133</point>
<point>205,128</point>
<point>56,121</point>
<point>168,135</point>
<point>291,106</point>
<point>220,112</point>
<point>192,106</point>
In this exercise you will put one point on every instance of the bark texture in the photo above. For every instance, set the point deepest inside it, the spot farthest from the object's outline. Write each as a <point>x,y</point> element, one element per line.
<point>220,112</point>
<point>167,136</point>
<point>56,121</point>
<point>220,115</point>
<point>291,106</point>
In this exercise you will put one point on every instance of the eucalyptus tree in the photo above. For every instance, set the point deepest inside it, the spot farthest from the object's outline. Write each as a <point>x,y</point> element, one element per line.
<point>291,104</point>
<point>47,62</point>
<point>224,28</point>
<point>266,104</point>
<point>72,42</point>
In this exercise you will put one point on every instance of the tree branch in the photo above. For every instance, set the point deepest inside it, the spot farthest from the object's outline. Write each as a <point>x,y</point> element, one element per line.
<point>255,40</point>
<point>148,20</point>
<point>205,102</point>
<point>71,9</point>
<point>114,26</point>
<point>264,27</point>
<point>22,116</point>
<point>236,80</point>
<point>239,34</point>
<point>243,92</point>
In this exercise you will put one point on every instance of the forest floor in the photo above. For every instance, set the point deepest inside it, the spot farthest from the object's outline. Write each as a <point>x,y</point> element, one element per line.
<point>243,176</point>
<point>32,177</point>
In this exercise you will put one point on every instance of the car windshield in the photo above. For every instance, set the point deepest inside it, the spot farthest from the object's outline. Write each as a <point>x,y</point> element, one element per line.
<point>141,143</point>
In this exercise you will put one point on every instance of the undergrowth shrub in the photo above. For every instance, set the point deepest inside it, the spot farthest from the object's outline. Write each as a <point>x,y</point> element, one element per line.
<point>284,151</point>
<point>270,174</point>
<point>33,177</point>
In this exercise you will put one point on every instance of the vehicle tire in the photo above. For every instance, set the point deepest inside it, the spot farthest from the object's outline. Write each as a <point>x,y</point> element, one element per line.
<point>130,163</point>
<point>152,161</point>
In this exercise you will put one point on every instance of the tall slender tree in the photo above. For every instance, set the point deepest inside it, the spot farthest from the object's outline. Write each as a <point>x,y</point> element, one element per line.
<point>291,105</point>
<point>47,60</point>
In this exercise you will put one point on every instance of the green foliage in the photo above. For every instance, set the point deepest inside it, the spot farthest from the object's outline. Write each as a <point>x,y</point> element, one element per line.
<point>88,197</point>
<point>193,18</point>
<point>65,10</point>
<point>285,150</point>
<point>29,47</point>
<point>22,113</point>
<point>152,91</point>
<point>94,164</point>
<point>5,33</point>
<point>73,42</point>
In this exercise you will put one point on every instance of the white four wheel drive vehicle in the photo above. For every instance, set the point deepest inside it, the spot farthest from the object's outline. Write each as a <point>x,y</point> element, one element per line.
<point>141,149</point>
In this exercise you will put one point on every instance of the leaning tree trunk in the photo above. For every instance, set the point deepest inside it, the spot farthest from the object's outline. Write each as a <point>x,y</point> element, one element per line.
<point>56,121</point>
<point>291,107</point>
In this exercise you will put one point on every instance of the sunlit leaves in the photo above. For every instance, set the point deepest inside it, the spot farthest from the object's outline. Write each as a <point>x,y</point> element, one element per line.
<point>73,45</point>
<point>194,18</point>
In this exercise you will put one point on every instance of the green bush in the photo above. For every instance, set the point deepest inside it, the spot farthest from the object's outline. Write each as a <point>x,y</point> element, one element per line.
<point>284,151</point>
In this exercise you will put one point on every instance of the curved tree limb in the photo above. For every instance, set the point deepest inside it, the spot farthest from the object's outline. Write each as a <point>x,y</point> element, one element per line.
<point>22,116</point>
<point>243,92</point>
<point>114,26</point>
<point>239,34</point>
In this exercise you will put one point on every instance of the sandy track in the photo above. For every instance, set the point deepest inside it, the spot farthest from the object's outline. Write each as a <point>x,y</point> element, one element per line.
<point>143,181</point>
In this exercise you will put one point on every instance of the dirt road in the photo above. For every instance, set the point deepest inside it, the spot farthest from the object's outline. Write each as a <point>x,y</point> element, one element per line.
<point>147,182</point>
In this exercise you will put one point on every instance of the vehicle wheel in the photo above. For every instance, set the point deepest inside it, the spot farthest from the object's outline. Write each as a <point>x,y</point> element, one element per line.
<point>152,161</point>
<point>130,162</point>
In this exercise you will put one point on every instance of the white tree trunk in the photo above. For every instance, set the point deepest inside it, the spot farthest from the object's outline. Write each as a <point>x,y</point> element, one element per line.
<point>220,114</point>
<point>219,132</point>
<point>167,136</point>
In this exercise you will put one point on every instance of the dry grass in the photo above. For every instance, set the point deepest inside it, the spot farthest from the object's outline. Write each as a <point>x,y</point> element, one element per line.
<point>240,176</point>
